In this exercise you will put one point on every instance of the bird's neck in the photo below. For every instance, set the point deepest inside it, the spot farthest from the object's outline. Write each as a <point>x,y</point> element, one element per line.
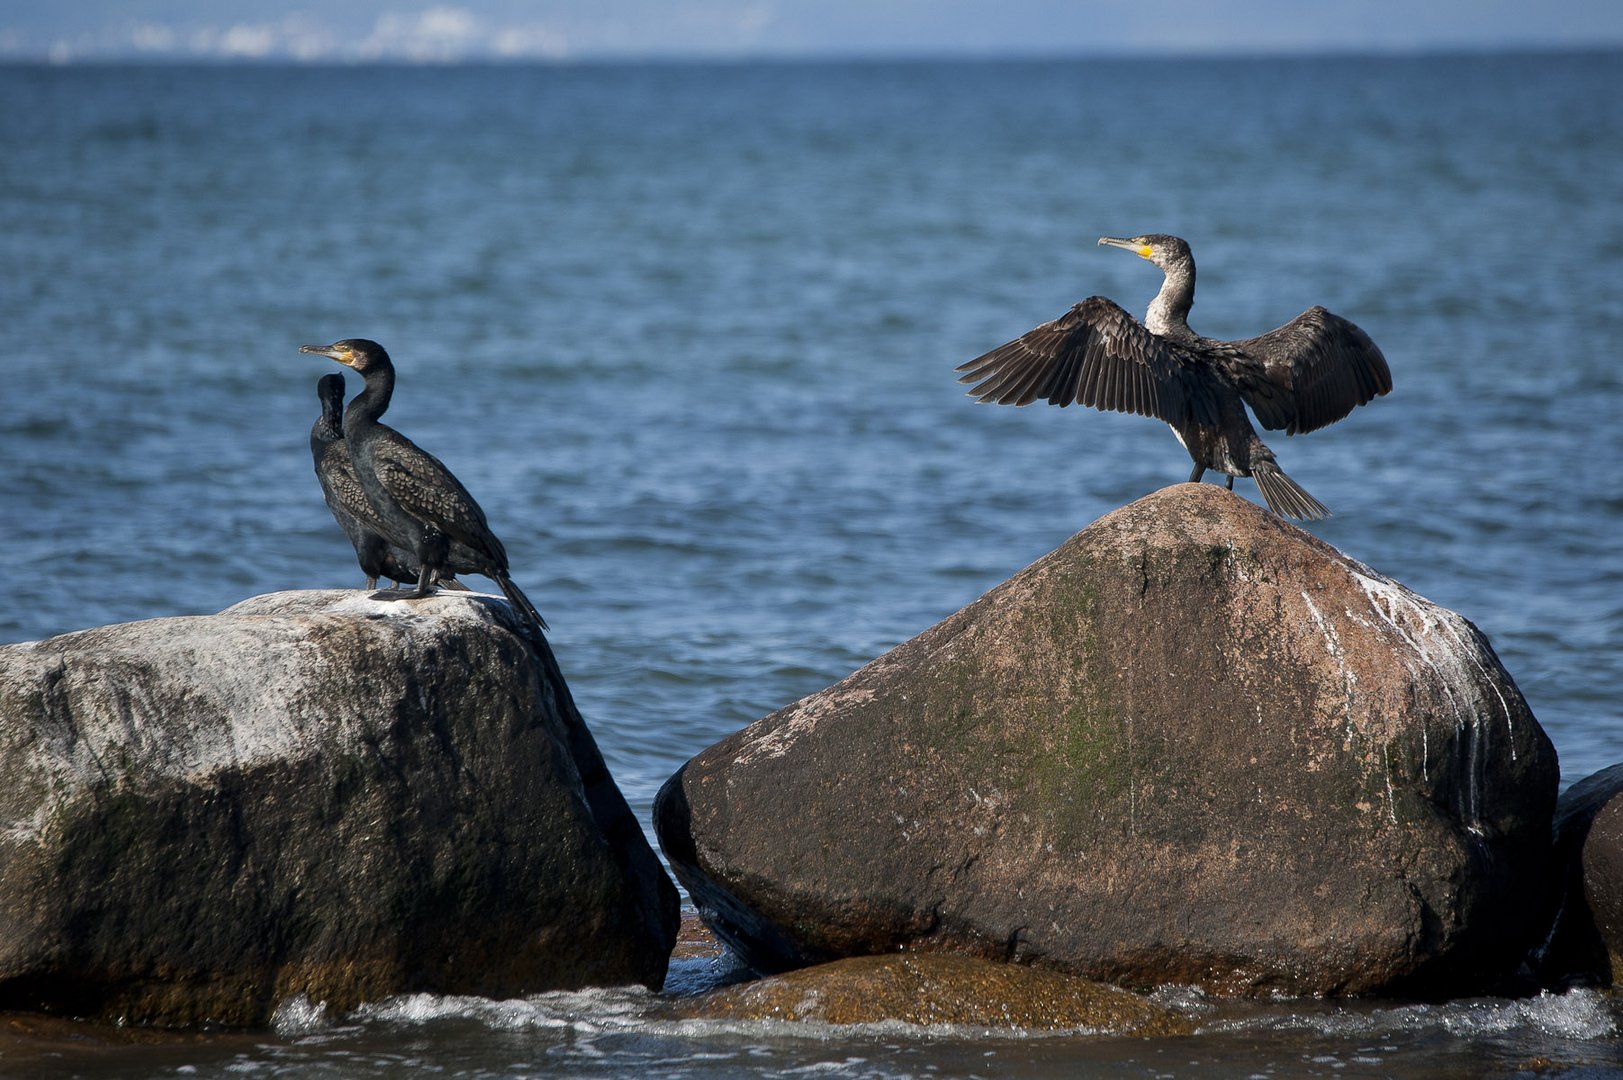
<point>327,429</point>
<point>373,400</point>
<point>1169,311</point>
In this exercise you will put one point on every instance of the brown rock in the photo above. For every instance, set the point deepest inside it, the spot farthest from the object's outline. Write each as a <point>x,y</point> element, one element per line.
<point>937,988</point>
<point>309,794</point>
<point>1194,744</point>
<point>696,941</point>
<point>1603,880</point>
<point>36,1045</point>
<point>1587,943</point>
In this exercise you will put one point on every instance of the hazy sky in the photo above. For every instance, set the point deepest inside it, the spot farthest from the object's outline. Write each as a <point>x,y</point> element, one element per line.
<point>68,30</point>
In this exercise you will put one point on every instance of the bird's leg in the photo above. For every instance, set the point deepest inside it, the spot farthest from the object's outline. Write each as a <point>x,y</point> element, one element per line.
<point>1231,482</point>
<point>1194,477</point>
<point>393,592</point>
<point>432,553</point>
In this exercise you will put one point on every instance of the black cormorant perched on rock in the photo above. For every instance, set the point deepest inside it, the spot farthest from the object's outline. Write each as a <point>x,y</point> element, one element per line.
<point>1304,375</point>
<point>347,500</point>
<point>345,497</point>
<point>420,503</point>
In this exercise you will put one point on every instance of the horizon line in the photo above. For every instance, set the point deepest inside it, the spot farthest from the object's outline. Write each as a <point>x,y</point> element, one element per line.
<point>819,56</point>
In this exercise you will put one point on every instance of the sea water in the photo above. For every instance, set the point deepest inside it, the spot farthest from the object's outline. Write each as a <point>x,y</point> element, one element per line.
<point>687,331</point>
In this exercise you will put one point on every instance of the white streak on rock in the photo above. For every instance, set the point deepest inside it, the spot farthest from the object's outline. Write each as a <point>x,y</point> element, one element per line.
<point>1332,644</point>
<point>1441,641</point>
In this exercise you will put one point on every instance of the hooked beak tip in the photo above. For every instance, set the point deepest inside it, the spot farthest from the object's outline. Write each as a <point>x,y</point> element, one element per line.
<point>325,350</point>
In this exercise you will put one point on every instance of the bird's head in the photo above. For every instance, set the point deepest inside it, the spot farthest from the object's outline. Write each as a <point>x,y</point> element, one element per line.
<point>1164,251</point>
<point>357,353</point>
<point>330,427</point>
<point>331,392</point>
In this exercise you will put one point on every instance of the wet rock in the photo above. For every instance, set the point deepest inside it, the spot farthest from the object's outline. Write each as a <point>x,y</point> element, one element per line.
<point>938,988</point>
<point>696,941</point>
<point>1193,745</point>
<point>316,794</point>
<point>1586,946</point>
<point>700,962</point>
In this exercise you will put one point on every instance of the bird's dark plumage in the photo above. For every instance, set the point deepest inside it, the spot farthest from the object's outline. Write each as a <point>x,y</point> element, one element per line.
<point>421,506</point>
<point>1326,366</point>
<point>377,554</point>
<point>345,496</point>
<point>1306,374</point>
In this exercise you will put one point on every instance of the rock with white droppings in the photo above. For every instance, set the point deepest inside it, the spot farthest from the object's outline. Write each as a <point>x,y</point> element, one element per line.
<point>310,794</point>
<point>1222,753</point>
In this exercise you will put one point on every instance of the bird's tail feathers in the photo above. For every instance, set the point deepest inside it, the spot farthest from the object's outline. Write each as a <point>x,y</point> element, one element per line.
<point>1285,496</point>
<point>516,597</point>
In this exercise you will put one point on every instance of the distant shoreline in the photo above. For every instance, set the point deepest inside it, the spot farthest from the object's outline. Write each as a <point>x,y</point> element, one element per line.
<point>328,62</point>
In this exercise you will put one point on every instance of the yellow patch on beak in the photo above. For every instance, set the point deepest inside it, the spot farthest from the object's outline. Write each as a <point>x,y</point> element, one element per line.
<point>1144,251</point>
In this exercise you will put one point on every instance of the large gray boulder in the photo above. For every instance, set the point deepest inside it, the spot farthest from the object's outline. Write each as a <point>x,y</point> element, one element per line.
<point>1194,744</point>
<point>310,793</point>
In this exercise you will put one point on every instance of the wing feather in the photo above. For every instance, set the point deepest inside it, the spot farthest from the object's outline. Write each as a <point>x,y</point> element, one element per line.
<point>431,493</point>
<point>1095,354</point>
<point>1324,366</point>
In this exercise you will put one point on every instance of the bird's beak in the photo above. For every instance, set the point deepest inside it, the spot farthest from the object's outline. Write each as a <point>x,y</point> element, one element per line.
<point>332,352</point>
<point>1141,250</point>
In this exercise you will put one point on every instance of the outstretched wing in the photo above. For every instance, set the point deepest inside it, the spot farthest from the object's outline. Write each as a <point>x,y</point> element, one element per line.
<point>431,493</point>
<point>1325,365</point>
<point>1095,354</point>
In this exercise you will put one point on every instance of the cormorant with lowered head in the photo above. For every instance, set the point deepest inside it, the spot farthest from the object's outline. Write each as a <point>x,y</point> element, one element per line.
<point>1304,375</point>
<point>422,506</point>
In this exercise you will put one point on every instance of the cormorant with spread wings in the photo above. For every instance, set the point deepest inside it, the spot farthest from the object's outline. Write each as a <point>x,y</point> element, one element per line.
<point>1306,374</point>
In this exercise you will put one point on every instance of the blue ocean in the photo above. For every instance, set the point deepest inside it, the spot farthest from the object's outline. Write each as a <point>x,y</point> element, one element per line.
<point>688,332</point>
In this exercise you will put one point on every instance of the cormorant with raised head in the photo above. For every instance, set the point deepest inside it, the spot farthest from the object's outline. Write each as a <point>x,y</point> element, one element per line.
<point>420,503</point>
<point>1306,374</point>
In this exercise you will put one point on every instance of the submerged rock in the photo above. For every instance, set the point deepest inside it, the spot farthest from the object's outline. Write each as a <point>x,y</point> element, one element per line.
<point>311,793</point>
<point>1194,744</point>
<point>937,988</point>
